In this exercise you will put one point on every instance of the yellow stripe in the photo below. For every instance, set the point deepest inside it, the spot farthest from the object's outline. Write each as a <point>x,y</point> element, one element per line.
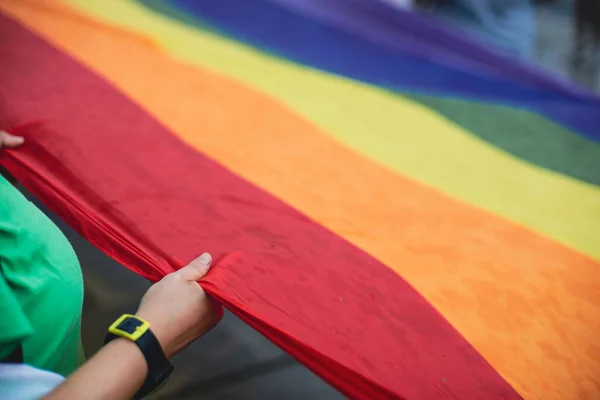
<point>402,135</point>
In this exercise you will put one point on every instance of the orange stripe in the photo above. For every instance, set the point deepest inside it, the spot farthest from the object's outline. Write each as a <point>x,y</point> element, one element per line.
<point>530,306</point>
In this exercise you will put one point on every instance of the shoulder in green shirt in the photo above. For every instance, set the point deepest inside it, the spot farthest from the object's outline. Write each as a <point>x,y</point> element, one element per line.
<point>41,287</point>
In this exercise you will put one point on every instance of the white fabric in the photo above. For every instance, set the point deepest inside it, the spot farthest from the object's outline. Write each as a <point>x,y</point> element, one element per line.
<point>24,382</point>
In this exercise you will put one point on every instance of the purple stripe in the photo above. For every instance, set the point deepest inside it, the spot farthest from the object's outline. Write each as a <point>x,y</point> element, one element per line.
<point>432,39</point>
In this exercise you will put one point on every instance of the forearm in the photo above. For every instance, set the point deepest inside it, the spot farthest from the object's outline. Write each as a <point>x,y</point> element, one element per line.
<point>177,309</point>
<point>115,372</point>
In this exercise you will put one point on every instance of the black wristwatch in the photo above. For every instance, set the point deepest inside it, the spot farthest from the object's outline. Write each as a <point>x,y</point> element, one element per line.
<point>138,331</point>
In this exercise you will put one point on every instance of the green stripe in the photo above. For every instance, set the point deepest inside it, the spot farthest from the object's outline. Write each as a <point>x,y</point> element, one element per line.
<point>526,135</point>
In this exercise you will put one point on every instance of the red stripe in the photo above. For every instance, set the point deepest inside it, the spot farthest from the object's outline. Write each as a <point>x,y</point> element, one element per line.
<point>146,199</point>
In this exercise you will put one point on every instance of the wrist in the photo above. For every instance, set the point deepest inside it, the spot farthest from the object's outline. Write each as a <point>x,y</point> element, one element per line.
<point>137,331</point>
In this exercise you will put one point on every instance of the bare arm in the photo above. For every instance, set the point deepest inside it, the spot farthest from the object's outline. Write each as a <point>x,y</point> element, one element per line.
<point>115,372</point>
<point>178,311</point>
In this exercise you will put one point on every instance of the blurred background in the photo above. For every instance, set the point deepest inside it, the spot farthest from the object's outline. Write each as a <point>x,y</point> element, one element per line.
<point>235,362</point>
<point>560,36</point>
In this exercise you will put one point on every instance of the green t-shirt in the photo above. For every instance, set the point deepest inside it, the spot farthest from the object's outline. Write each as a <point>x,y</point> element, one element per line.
<point>41,287</point>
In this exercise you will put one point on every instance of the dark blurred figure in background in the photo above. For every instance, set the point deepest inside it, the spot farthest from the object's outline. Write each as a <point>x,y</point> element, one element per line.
<point>512,26</point>
<point>587,25</point>
<point>586,51</point>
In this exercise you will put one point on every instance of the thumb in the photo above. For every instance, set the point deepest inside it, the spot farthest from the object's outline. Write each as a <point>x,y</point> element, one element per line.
<point>10,141</point>
<point>197,269</point>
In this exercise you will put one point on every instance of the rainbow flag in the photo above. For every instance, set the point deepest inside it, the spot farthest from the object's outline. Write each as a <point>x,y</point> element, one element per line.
<point>408,214</point>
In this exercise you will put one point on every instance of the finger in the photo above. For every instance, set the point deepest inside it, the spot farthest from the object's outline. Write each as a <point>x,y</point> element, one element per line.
<point>197,269</point>
<point>10,141</point>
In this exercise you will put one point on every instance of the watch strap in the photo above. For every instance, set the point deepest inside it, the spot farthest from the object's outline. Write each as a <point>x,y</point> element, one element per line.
<point>159,366</point>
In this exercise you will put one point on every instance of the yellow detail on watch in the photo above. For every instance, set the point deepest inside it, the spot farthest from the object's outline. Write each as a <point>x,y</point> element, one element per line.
<point>139,330</point>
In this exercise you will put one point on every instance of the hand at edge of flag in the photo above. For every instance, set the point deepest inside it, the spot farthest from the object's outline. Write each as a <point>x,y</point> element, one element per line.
<point>178,309</point>
<point>10,141</point>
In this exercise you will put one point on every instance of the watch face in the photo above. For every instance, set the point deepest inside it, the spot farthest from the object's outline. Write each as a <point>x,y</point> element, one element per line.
<point>129,325</point>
